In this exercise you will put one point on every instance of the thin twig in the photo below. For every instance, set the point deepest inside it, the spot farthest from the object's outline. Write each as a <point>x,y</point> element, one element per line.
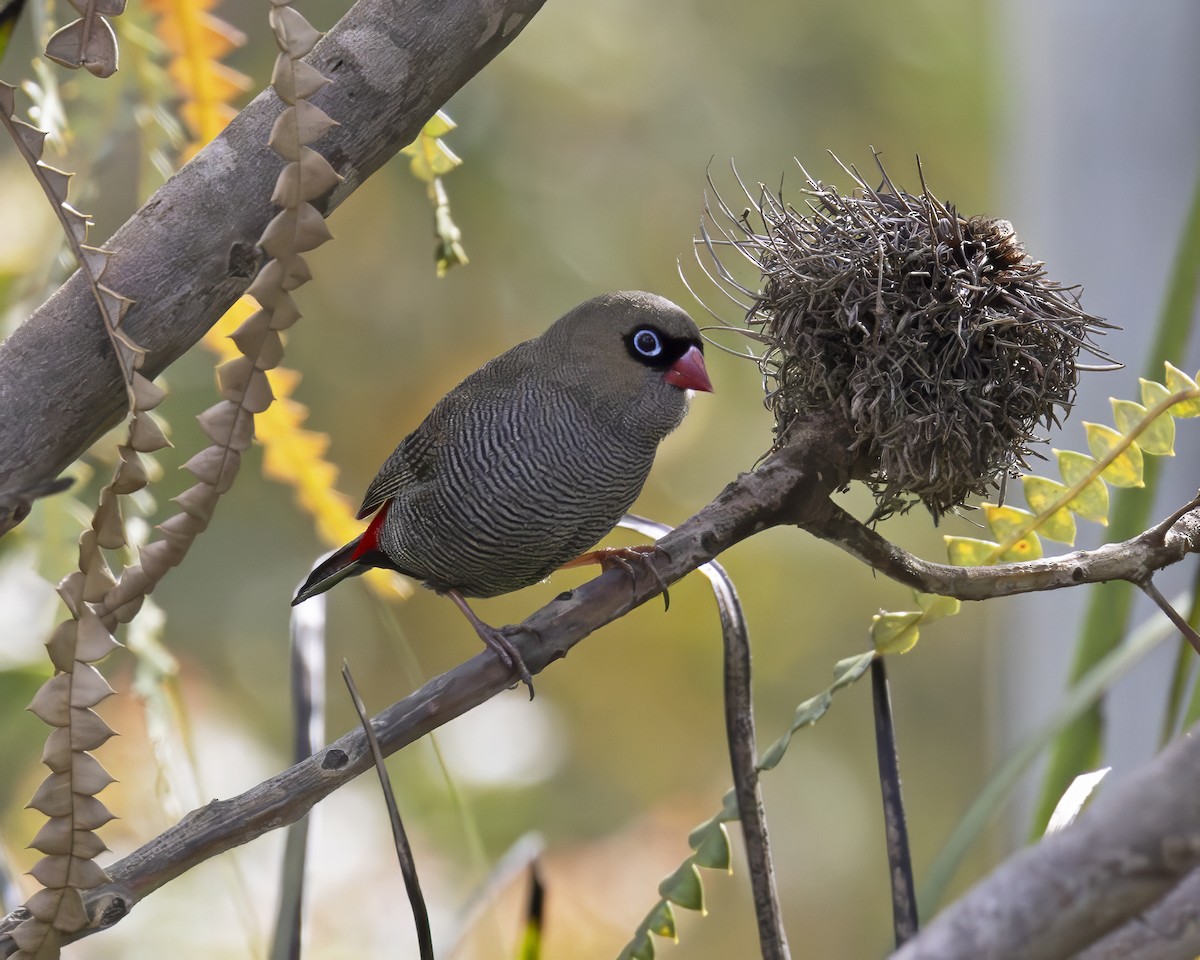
<point>408,866</point>
<point>1149,589</point>
<point>905,922</point>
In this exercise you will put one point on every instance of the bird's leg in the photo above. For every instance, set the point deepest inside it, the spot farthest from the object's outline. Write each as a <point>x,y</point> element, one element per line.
<point>611,558</point>
<point>496,639</point>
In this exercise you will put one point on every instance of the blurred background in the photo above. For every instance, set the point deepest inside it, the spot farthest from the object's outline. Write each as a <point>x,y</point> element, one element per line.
<point>586,147</point>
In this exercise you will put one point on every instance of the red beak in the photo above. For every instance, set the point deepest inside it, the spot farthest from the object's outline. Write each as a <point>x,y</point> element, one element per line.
<point>689,372</point>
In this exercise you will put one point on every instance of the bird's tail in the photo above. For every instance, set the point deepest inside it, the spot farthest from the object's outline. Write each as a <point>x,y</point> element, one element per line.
<point>343,563</point>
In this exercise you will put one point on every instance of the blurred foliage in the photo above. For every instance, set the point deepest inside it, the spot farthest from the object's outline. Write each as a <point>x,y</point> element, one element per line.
<point>585,148</point>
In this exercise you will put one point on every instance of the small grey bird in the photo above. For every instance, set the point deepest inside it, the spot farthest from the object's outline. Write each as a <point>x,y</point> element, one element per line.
<point>531,459</point>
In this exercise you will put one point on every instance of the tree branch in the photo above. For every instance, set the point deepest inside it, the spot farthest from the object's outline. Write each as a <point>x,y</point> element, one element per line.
<point>192,249</point>
<point>1132,846</point>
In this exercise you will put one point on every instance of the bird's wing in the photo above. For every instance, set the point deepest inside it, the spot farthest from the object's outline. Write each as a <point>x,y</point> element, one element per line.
<point>494,385</point>
<point>407,464</point>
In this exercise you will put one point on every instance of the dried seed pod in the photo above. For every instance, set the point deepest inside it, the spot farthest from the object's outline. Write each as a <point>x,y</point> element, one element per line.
<point>942,344</point>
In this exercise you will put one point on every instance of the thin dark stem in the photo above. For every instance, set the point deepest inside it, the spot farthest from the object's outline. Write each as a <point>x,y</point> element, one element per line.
<point>408,866</point>
<point>1150,590</point>
<point>905,922</point>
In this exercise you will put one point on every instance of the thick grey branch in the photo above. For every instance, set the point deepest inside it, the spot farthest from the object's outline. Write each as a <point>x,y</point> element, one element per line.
<point>1169,930</point>
<point>1130,848</point>
<point>192,249</point>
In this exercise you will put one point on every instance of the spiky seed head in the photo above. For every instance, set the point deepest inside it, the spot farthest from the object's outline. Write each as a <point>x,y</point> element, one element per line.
<point>942,344</point>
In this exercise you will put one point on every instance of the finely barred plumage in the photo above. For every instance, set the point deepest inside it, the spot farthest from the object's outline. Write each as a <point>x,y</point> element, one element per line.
<point>531,459</point>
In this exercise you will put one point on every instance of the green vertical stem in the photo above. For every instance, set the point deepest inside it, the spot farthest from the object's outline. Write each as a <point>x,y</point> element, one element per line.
<point>1077,748</point>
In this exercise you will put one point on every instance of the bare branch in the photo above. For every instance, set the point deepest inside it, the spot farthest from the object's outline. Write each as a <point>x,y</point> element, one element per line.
<point>1169,930</point>
<point>192,249</point>
<point>790,487</point>
<point>1132,846</point>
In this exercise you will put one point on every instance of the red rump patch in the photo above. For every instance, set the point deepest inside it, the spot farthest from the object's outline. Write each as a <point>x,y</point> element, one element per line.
<point>370,538</point>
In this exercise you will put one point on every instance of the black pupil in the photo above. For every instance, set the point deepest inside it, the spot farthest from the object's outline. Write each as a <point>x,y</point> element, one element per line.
<point>647,343</point>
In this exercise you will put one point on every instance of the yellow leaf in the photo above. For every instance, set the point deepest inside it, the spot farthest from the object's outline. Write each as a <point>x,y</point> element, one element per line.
<point>1091,502</point>
<point>1027,548</point>
<point>1158,438</point>
<point>935,607</point>
<point>1126,468</point>
<point>1006,522</point>
<point>895,632</point>
<point>1177,382</point>
<point>967,552</point>
<point>1040,494</point>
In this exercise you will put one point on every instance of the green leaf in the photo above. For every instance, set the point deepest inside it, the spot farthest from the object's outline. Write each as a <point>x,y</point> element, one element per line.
<point>641,947</point>
<point>712,852</point>
<point>895,632</point>
<point>1158,437</point>
<point>968,552</point>
<point>1126,468</point>
<point>661,921</point>
<point>1177,382</point>
<point>683,888</point>
<point>1092,501</point>
<point>1040,493</point>
<point>936,607</point>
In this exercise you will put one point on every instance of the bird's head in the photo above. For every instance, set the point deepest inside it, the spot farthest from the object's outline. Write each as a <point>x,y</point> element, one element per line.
<point>637,354</point>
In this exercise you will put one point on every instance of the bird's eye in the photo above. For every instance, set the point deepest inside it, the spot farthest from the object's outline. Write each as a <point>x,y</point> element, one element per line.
<point>647,343</point>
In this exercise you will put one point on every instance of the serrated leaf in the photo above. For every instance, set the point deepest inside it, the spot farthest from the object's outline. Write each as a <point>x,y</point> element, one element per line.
<point>53,796</point>
<point>61,645</point>
<point>1177,382</point>
<point>294,79</point>
<point>77,45</point>
<point>228,425</point>
<point>969,552</point>
<point>107,522</point>
<point>93,641</point>
<point>148,394</point>
<point>684,888</point>
<point>89,813</point>
<point>52,703</point>
<point>305,178</point>
<point>88,686</point>
<point>198,501</point>
<point>895,632</point>
<point>37,939</point>
<point>216,466</point>
<point>1126,468</point>
<point>1040,493</point>
<point>713,852</point>
<point>661,920</point>
<point>296,230</point>
<point>131,472</point>
<point>1091,502</point>
<point>66,871</point>
<point>62,906</point>
<point>146,435</point>
<point>294,35</point>
<point>88,777</point>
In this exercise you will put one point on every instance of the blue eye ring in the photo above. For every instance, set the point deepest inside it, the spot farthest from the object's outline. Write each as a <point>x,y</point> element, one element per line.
<point>647,342</point>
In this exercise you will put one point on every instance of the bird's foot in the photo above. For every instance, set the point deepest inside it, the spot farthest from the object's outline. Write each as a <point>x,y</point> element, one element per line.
<point>497,639</point>
<point>623,558</point>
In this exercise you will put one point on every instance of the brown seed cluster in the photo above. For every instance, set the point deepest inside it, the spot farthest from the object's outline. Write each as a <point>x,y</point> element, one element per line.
<point>940,341</point>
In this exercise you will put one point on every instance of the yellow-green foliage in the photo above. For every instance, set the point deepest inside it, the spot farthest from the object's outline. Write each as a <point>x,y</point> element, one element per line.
<point>1116,459</point>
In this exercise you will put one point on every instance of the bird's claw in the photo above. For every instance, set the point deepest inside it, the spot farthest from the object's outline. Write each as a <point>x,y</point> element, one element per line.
<point>612,558</point>
<point>498,640</point>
